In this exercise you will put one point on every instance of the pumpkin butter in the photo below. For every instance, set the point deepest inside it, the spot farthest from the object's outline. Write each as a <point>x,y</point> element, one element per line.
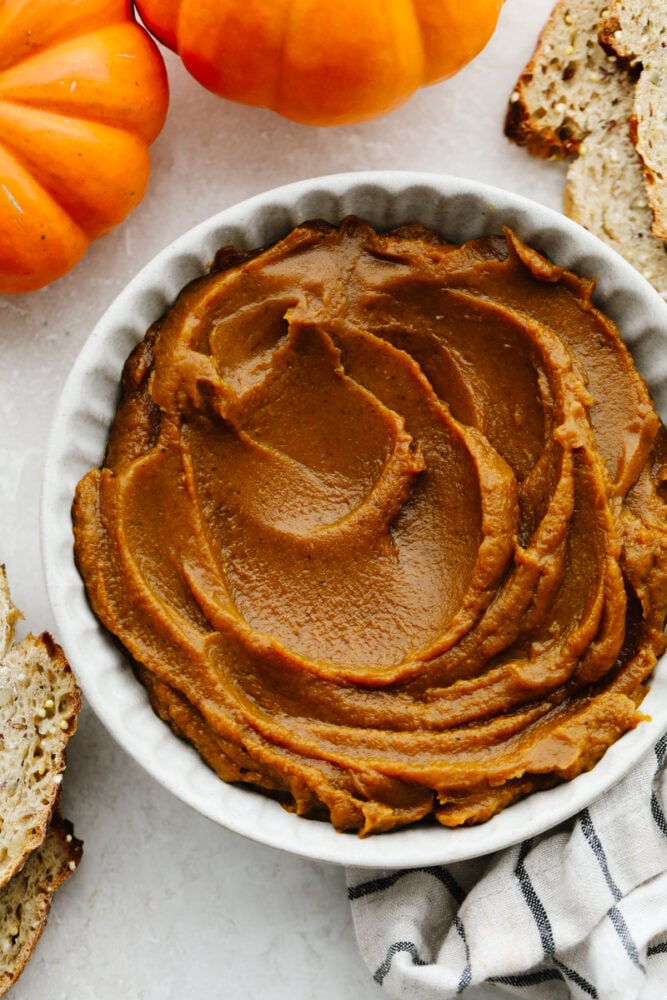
<point>380,524</point>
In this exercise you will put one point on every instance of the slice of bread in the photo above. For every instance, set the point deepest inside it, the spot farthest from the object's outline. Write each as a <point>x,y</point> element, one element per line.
<point>39,704</point>
<point>25,900</point>
<point>574,100</point>
<point>604,192</point>
<point>636,32</point>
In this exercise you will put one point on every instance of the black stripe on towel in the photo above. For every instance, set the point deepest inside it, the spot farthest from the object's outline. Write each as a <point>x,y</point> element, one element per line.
<point>466,975</point>
<point>591,836</point>
<point>394,949</point>
<point>616,917</point>
<point>661,750</point>
<point>375,885</point>
<point>528,978</point>
<point>658,815</point>
<point>656,808</point>
<point>623,931</point>
<point>539,915</point>
<point>439,872</point>
<point>582,983</point>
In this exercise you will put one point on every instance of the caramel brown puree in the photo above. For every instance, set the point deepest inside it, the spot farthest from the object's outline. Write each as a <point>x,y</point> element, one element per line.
<point>380,524</point>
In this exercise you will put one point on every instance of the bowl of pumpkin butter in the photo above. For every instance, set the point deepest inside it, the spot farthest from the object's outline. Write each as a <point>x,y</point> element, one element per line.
<point>354,520</point>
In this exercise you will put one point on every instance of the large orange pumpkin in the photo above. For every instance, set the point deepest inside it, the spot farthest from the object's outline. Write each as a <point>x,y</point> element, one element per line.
<point>83,92</point>
<point>323,62</point>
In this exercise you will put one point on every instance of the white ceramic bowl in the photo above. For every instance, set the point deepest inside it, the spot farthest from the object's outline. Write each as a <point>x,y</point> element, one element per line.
<point>458,210</point>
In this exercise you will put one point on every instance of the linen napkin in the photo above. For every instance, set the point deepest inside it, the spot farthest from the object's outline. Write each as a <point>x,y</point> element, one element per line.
<point>579,911</point>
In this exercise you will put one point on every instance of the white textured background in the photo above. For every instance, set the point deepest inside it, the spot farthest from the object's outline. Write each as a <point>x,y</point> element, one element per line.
<point>166,905</point>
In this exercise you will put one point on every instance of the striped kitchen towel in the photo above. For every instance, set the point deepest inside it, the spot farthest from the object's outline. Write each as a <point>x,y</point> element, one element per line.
<point>580,911</point>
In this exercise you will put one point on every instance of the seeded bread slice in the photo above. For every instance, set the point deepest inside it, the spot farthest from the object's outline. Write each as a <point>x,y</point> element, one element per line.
<point>604,192</point>
<point>39,704</point>
<point>562,95</point>
<point>26,899</point>
<point>637,32</point>
<point>574,100</point>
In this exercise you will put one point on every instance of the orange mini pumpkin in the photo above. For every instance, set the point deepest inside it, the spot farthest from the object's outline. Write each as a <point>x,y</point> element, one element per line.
<point>83,92</point>
<point>322,62</point>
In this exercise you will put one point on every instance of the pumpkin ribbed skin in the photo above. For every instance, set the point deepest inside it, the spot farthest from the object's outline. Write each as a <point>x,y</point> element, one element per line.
<point>83,92</point>
<point>322,62</point>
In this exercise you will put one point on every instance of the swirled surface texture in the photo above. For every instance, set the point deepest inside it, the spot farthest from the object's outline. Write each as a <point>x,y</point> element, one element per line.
<point>380,524</point>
